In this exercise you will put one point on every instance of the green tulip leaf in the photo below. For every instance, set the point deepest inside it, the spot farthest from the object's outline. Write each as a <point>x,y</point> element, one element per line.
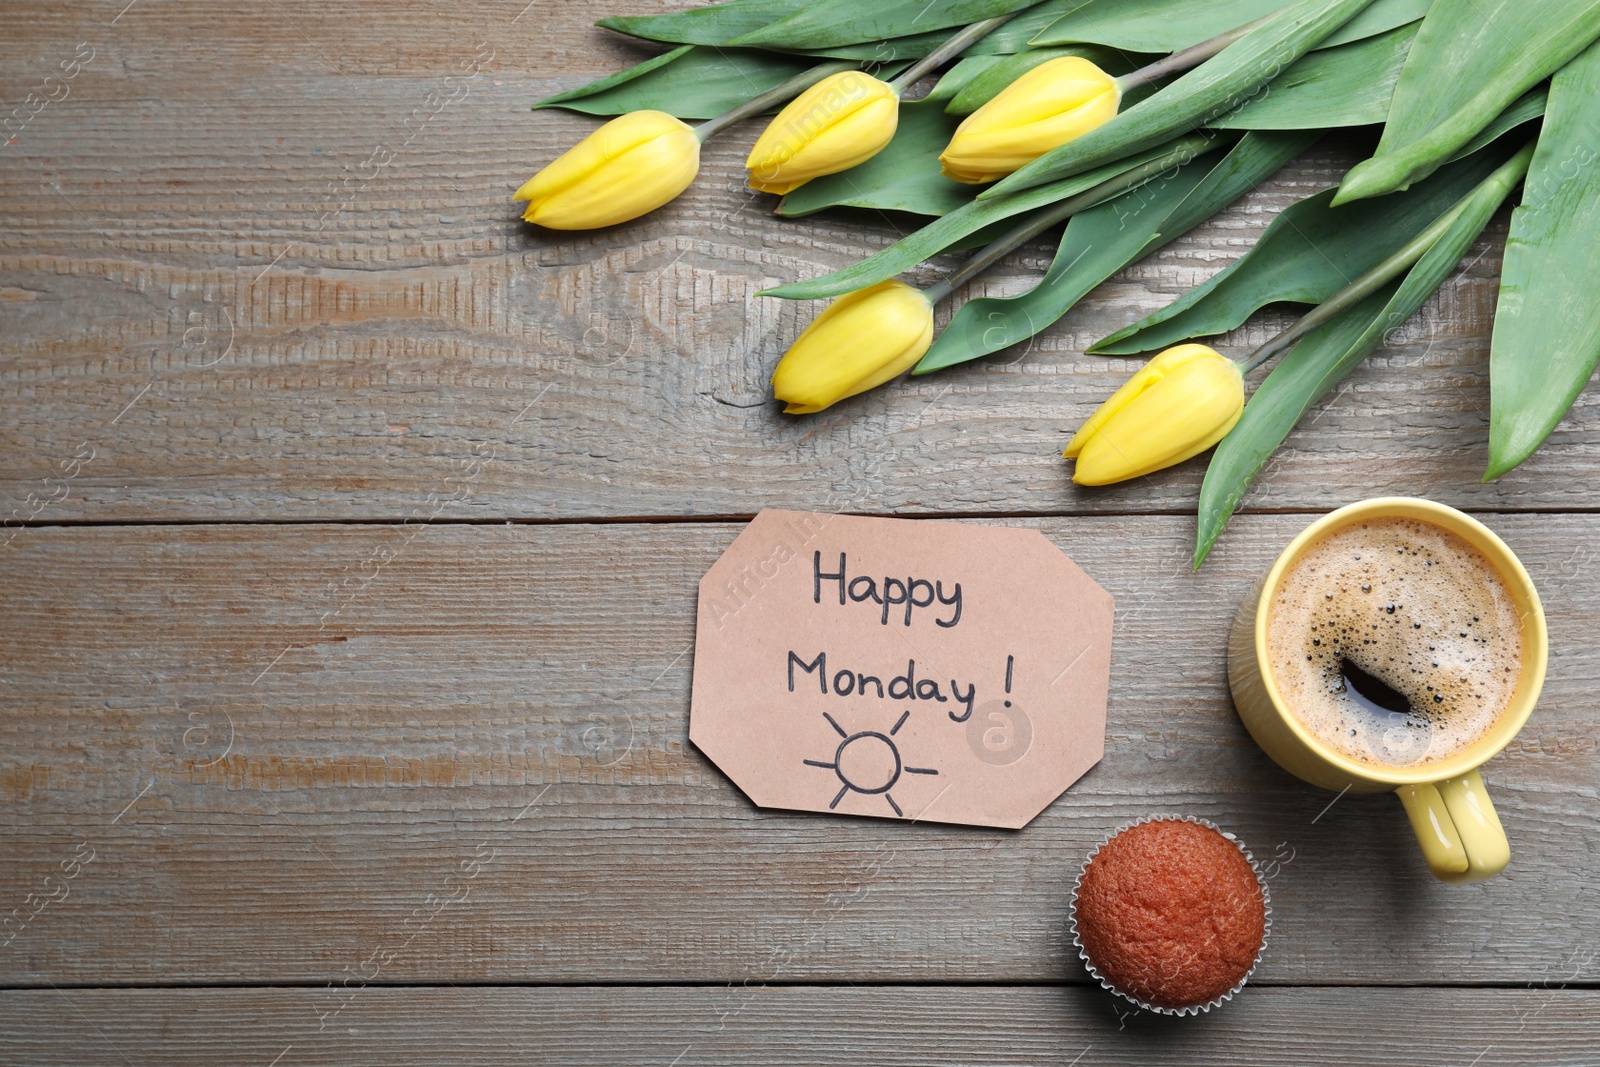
<point>962,73</point>
<point>1308,253</point>
<point>718,24</point>
<point>1095,245</point>
<point>1099,242</point>
<point>1346,86</point>
<point>712,24</point>
<point>903,177</point>
<point>1204,94</point>
<point>913,46</point>
<point>1170,25</point>
<point>1529,106</point>
<point>691,82</point>
<point>1004,70</point>
<point>1323,359</point>
<point>824,23</point>
<point>1547,324</point>
<point>974,216</point>
<point>1380,16</point>
<point>1305,375</point>
<point>1014,35</point>
<point>1151,25</point>
<point>1471,59</point>
<point>600,86</point>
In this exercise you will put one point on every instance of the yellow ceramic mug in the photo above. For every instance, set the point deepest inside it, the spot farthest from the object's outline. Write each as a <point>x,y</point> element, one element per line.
<point>1455,823</point>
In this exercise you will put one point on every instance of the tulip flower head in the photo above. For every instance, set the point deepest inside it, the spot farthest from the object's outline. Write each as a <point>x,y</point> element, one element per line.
<point>860,341</point>
<point>632,165</point>
<point>1176,406</point>
<point>841,121</point>
<point>1055,102</point>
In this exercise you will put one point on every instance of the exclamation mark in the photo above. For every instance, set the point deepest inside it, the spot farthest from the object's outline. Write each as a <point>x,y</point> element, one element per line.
<point>1010,662</point>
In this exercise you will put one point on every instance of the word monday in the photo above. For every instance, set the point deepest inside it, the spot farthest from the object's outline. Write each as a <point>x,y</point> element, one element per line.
<point>905,686</point>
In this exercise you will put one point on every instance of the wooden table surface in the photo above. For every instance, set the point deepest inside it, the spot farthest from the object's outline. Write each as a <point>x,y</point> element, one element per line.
<point>349,575</point>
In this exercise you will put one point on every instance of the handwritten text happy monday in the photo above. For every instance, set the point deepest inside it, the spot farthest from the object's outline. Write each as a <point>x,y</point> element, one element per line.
<point>894,601</point>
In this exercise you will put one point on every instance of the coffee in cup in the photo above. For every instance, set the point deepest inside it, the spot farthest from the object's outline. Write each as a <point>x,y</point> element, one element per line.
<point>1395,642</point>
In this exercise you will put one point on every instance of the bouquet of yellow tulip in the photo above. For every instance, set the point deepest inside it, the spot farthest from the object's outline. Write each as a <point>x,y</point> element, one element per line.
<point>1132,123</point>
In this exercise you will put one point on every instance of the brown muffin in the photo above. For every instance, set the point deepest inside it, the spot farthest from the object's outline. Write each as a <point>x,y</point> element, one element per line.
<point>1170,913</point>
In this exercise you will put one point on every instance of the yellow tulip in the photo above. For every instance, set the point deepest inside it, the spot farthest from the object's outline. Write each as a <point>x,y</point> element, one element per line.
<point>1053,103</point>
<point>860,341</point>
<point>843,120</point>
<point>1178,405</point>
<point>631,165</point>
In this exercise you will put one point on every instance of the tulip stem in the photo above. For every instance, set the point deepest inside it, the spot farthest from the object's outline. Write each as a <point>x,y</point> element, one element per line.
<point>1507,175</point>
<point>1192,56</point>
<point>1183,151</point>
<point>1356,291</point>
<point>949,50</point>
<point>778,94</point>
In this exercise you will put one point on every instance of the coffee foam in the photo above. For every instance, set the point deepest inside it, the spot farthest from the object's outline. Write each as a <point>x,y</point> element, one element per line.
<point>1418,608</point>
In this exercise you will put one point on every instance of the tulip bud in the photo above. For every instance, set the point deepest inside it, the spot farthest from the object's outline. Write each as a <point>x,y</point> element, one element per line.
<point>1048,106</point>
<point>1178,405</point>
<point>860,341</point>
<point>843,120</point>
<point>631,165</point>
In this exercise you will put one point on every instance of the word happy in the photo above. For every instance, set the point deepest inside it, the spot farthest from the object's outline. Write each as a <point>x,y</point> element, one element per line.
<point>910,593</point>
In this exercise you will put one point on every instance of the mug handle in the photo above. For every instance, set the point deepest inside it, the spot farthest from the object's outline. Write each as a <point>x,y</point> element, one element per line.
<point>1456,825</point>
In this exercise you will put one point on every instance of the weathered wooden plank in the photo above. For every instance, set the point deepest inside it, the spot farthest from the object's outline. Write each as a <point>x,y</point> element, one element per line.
<point>266,267</point>
<point>785,1025</point>
<point>402,38</point>
<point>458,753</point>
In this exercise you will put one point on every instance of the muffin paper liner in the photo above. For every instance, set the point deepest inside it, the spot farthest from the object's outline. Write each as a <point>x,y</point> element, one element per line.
<point>1194,1009</point>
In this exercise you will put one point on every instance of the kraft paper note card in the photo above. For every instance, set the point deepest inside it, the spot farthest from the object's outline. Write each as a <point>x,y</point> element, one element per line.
<point>899,668</point>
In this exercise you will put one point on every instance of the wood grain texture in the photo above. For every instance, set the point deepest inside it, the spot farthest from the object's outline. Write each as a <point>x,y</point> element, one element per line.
<point>475,1027</point>
<point>458,753</point>
<point>259,265</point>
<point>266,268</point>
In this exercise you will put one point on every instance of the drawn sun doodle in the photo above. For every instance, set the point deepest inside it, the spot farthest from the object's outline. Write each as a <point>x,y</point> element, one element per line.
<point>868,762</point>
